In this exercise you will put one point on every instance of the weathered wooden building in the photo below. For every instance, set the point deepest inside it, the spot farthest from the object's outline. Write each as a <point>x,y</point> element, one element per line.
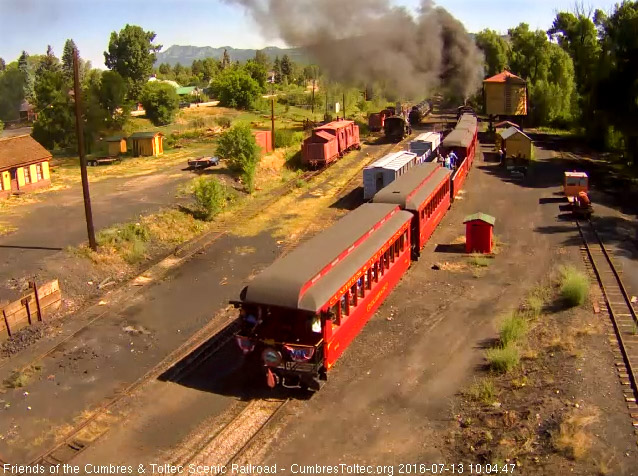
<point>516,143</point>
<point>505,95</point>
<point>24,165</point>
<point>116,145</point>
<point>147,144</point>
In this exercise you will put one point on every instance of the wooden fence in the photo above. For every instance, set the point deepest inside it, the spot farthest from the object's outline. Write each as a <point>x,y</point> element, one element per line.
<point>31,308</point>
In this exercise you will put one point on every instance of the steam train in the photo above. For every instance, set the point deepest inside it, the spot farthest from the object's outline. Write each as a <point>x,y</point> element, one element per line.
<point>302,312</point>
<point>330,142</point>
<point>418,112</point>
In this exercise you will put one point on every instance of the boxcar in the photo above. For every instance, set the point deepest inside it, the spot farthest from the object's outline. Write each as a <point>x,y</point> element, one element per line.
<point>462,141</point>
<point>309,305</point>
<point>384,171</point>
<point>329,142</point>
<point>425,145</point>
<point>425,192</point>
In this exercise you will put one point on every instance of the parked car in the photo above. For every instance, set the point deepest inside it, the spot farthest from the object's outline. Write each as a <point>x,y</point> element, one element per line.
<point>203,162</point>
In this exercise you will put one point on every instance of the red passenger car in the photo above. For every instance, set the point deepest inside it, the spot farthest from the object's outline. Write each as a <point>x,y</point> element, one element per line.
<point>462,141</point>
<point>425,192</point>
<point>329,142</point>
<point>303,311</point>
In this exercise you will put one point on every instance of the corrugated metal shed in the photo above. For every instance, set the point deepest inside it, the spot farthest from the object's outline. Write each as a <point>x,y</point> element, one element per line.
<point>507,133</point>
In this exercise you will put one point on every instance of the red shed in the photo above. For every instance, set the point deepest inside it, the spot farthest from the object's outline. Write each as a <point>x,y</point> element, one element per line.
<point>478,233</point>
<point>264,140</point>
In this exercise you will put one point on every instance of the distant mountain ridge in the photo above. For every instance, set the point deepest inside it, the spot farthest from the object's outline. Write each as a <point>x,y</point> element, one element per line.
<point>185,55</point>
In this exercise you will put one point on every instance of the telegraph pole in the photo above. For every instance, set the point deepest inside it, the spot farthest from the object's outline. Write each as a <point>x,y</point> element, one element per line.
<point>313,97</point>
<point>272,121</point>
<point>80,134</point>
<point>344,106</point>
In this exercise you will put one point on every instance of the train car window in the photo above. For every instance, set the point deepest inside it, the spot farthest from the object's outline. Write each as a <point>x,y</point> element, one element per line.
<point>361,287</point>
<point>353,294</point>
<point>386,260</point>
<point>397,251</point>
<point>369,279</point>
<point>344,305</point>
<point>402,242</point>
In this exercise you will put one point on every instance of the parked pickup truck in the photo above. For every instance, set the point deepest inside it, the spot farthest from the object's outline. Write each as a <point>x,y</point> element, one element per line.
<point>203,162</point>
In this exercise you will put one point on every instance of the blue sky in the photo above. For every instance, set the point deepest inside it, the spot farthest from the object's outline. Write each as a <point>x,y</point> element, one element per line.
<point>32,24</point>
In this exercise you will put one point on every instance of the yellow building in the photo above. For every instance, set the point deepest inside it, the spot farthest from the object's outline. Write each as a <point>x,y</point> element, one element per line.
<point>505,95</point>
<point>516,143</point>
<point>24,165</point>
<point>116,145</point>
<point>147,144</point>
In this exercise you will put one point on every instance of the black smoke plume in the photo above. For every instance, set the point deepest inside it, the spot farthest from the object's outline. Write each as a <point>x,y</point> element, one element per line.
<point>371,41</point>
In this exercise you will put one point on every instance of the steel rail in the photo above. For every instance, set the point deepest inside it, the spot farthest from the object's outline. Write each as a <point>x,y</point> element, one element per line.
<point>622,343</point>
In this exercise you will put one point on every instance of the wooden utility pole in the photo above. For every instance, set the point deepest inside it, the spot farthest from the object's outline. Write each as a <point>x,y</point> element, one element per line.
<point>80,135</point>
<point>272,121</point>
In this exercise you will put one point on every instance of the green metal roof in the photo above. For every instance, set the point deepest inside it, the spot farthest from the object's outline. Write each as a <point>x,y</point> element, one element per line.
<point>481,216</point>
<point>114,138</point>
<point>144,135</point>
<point>185,90</point>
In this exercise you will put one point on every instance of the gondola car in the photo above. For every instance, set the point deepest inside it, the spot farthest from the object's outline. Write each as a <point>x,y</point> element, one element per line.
<point>396,128</point>
<point>425,192</point>
<point>330,142</point>
<point>303,311</point>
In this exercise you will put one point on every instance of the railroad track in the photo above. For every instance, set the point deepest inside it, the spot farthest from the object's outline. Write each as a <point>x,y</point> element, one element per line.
<point>232,443</point>
<point>622,314</point>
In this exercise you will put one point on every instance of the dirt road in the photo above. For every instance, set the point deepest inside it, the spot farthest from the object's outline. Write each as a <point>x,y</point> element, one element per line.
<point>57,220</point>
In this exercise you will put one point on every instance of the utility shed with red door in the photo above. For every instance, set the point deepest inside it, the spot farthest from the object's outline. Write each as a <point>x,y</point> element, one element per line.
<point>478,233</point>
<point>264,140</point>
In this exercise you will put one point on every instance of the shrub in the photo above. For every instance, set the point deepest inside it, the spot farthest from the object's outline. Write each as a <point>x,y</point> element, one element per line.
<point>210,195</point>
<point>502,359</point>
<point>574,286</point>
<point>235,88</point>
<point>223,121</point>
<point>238,145</point>
<point>512,329</point>
<point>535,306</point>
<point>287,138</point>
<point>121,234</point>
<point>483,391</point>
<point>160,102</point>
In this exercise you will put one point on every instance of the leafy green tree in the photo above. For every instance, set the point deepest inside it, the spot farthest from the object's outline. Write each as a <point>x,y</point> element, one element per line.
<point>111,95</point>
<point>67,58</point>
<point>160,102</point>
<point>495,48</point>
<point>618,88</point>
<point>165,69</point>
<point>528,56</point>
<point>178,69</point>
<point>238,145</point>
<point>11,93</point>
<point>258,72</point>
<point>131,53</point>
<point>225,60</point>
<point>55,124</point>
<point>210,69</point>
<point>211,196</point>
<point>235,88</point>
<point>3,65</point>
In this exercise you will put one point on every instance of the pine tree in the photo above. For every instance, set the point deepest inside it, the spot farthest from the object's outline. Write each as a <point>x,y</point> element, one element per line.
<point>225,60</point>
<point>3,65</point>
<point>277,69</point>
<point>286,68</point>
<point>23,66</point>
<point>67,58</point>
<point>49,62</point>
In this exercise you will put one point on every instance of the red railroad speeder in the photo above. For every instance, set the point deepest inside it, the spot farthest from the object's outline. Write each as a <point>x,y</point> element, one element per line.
<point>303,311</point>
<point>329,142</point>
<point>425,192</point>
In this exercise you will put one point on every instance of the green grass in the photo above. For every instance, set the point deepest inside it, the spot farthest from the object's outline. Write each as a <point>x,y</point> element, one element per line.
<point>502,359</point>
<point>483,391</point>
<point>513,329</point>
<point>479,261</point>
<point>574,286</point>
<point>22,378</point>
